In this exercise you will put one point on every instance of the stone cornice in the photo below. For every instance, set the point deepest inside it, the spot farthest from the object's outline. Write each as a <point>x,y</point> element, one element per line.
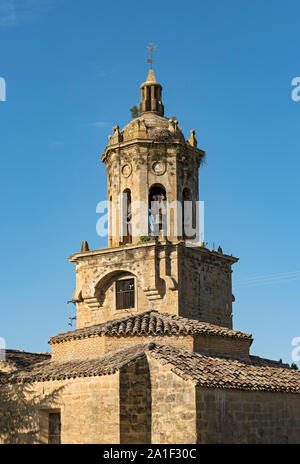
<point>149,142</point>
<point>197,248</point>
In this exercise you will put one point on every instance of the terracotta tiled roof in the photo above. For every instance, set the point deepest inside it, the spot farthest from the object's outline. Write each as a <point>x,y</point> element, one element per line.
<point>22,359</point>
<point>226,372</point>
<point>204,370</point>
<point>81,367</point>
<point>150,323</point>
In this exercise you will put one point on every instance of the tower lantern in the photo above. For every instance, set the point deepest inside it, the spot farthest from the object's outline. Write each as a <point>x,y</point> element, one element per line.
<point>151,96</point>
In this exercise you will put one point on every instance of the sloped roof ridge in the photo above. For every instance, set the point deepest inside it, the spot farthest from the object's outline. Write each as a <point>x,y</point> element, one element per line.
<point>150,322</point>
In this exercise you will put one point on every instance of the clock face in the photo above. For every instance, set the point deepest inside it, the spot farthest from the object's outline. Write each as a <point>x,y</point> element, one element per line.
<point>159,168</point>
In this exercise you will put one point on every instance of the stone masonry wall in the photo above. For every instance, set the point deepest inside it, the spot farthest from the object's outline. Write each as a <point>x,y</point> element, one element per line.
<point>205,286</point>
<point>137,167</point>
<point>135,403</point>
<point>235,416</point>
<point>89,409</point>
<point>96,274</point>
<point>173,407</point>
<point>190,282</point>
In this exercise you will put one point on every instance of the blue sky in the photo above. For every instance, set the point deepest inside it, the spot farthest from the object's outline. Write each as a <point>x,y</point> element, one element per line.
<point>73,70</point>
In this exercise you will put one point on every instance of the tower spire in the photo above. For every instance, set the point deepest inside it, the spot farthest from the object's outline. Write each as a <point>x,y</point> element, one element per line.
<point>151,77</point>
<point>151,95</point>
<point>151,90</point>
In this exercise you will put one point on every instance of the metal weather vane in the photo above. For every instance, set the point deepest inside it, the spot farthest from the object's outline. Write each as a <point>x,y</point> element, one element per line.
<point>152,48</point>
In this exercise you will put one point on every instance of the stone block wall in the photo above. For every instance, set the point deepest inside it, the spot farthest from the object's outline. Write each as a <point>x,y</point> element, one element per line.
<point>173,407</point>
<point>152,266</point>
<point>191,282</point>
<point>205,286</point>
<point>235,416</point>
<point>132,169</point>
<point>137,166</point>
<point>89,407</point>
<point>135,403</point>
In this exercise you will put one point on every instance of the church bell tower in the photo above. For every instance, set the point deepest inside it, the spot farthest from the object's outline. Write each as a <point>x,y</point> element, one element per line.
<point>154,258</point>
<point>152,172</point>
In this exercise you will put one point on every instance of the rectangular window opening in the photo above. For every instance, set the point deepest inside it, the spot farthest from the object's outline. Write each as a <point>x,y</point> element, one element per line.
<point>125,294</point>
<point>54,428</point>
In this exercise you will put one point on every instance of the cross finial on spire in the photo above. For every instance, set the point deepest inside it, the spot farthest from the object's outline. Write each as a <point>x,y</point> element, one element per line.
<point>151,90</point>
<point>152,48</point>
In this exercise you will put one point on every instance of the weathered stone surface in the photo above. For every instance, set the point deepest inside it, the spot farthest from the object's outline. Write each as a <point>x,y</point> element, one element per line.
<point>169,277</point>
<point>162,394</point>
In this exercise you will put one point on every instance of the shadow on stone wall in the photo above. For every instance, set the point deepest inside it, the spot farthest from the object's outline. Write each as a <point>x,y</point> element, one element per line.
<point>19,412</point>
<point>135,403</point>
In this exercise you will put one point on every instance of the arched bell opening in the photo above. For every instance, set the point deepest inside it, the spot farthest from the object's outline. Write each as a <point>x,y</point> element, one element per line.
<point>110,223</point>
<point>126,217</point>
<point>157,210</point>
<point>188,215</point>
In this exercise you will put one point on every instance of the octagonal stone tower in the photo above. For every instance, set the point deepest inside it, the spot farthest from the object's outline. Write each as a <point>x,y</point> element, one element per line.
<point>150,159</point>
<point>153,261</point>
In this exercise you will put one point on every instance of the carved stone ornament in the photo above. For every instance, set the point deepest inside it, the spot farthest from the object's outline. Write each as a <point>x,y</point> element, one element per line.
<point>159,168</point>
<point>126,170</point>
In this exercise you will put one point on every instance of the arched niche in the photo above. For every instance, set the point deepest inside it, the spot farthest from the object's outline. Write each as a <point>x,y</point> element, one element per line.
<point>157,203</point>
<point>188,214</point>
<point>126,217</point>
<point>120,287</point>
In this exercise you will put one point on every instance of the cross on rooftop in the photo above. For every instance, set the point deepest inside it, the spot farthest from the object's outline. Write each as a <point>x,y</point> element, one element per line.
<point>152,48</point>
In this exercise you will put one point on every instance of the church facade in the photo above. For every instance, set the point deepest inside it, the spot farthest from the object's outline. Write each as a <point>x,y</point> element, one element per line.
<point>154,357</point>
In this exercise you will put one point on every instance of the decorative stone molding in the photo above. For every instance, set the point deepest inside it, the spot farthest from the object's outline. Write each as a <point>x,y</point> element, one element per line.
<point>116,137</point>
<point>152,294</point>
<point>140,130</point>
<point>92,303</point>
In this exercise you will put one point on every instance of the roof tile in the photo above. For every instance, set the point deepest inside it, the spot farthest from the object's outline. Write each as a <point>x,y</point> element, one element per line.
<point>150,323</point>
<point>203,369</point>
